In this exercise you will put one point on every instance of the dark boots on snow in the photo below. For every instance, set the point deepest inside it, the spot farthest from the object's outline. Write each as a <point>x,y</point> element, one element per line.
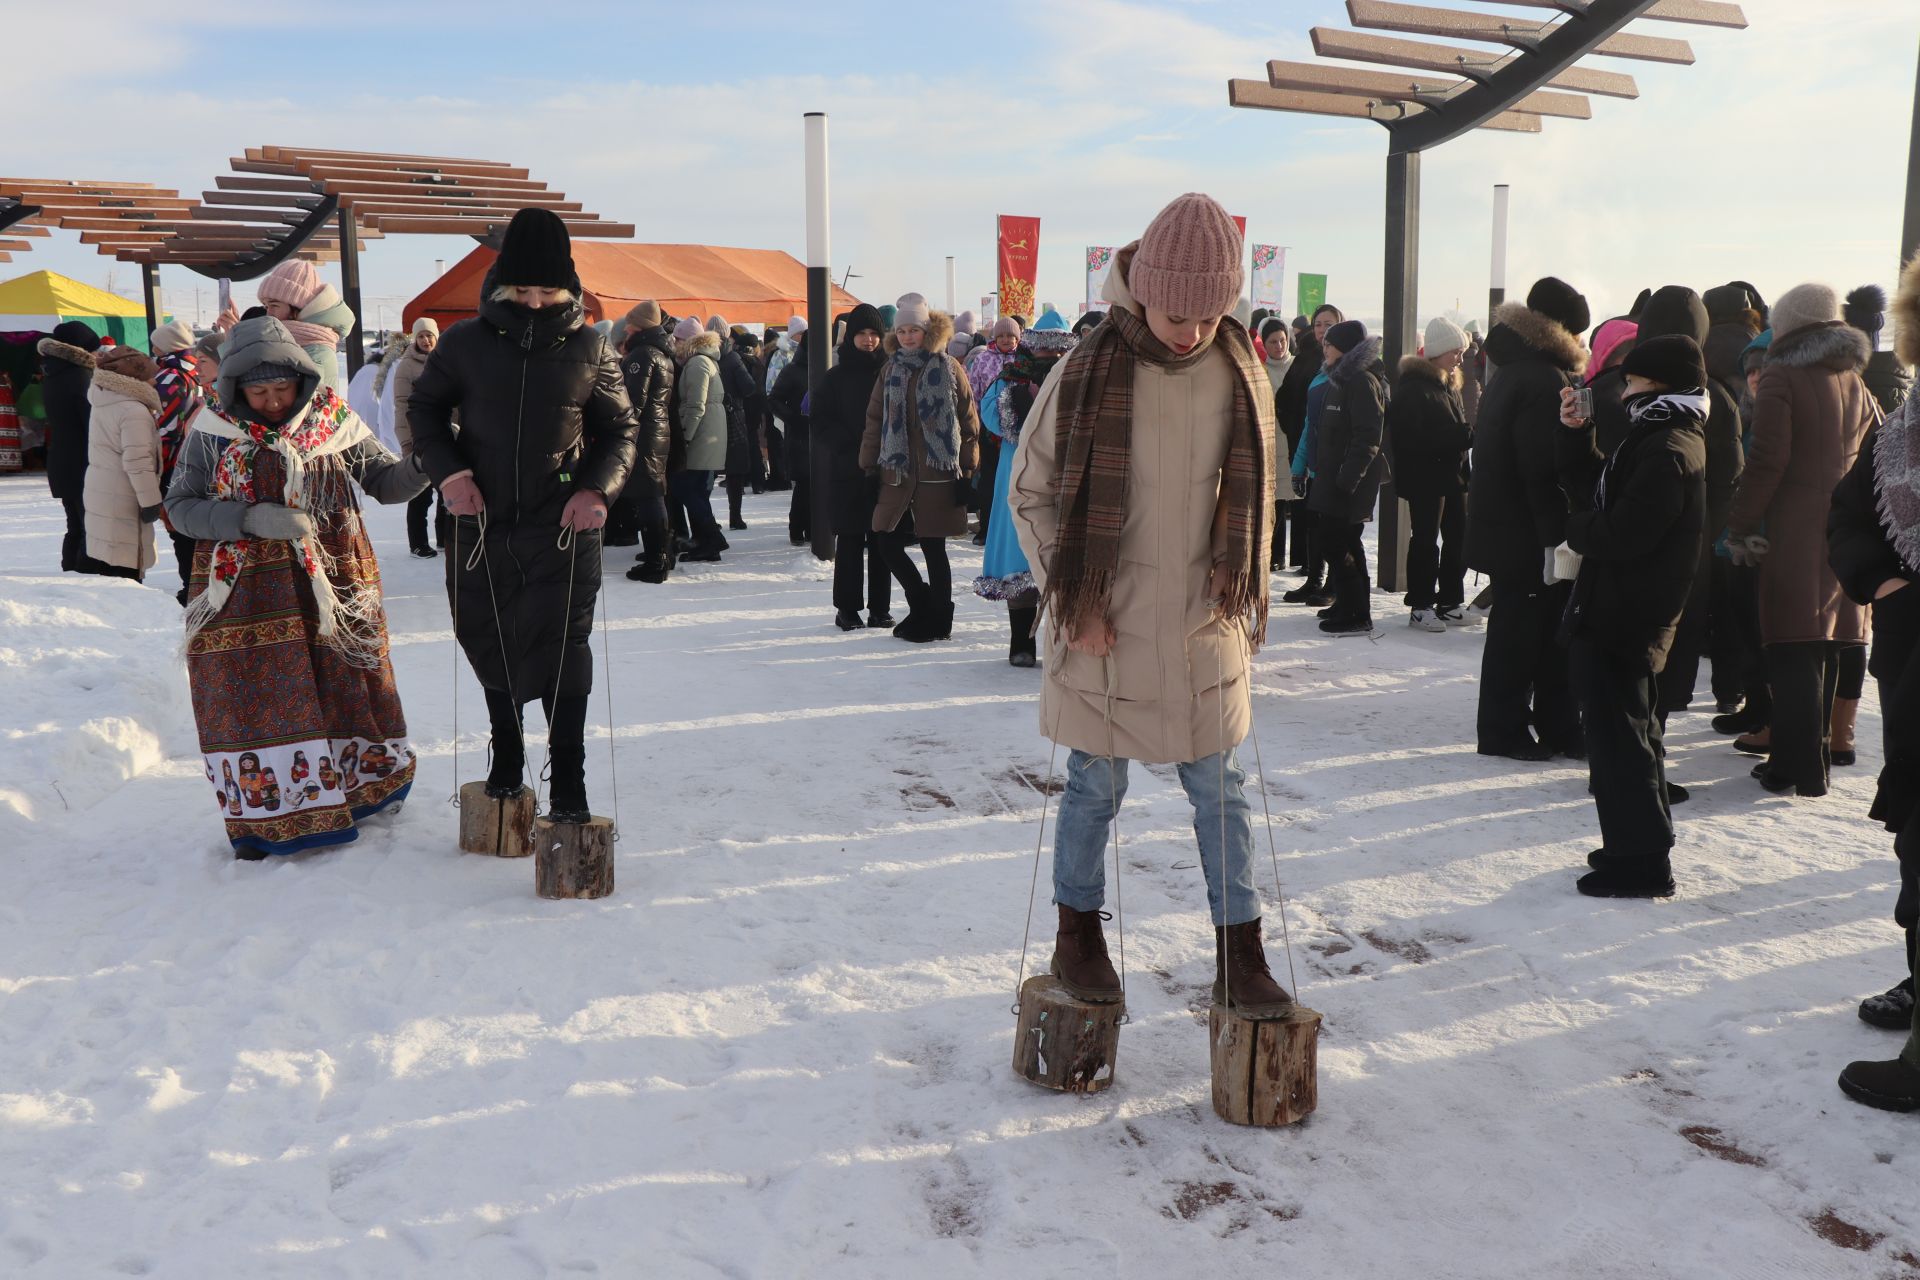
<point>1241,980</point>
<point>1308,592</point>
<point>848,619</point>
<point>1020,649</point>
<point>927,618</point>
<point>509,746</point>
<point>567,795</point>
<point>1614,877</point>
<point>1890,1085</point>
<point>1080,957</point>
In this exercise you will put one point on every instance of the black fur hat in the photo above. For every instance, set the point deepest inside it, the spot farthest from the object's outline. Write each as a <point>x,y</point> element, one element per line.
<point>1560,302</point>
<point>1866,309</point>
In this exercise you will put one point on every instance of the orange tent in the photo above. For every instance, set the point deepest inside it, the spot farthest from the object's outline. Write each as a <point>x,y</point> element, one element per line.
<point>747,286</point>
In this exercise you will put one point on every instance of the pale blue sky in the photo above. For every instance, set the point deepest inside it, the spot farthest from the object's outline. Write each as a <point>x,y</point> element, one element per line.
<point>1780,156</point>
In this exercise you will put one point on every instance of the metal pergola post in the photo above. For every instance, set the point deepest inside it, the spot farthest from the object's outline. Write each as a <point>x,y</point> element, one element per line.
<point>350,290</point>
<point>150,288</point>
<point>1399,334</point>
<point>1910,229</point>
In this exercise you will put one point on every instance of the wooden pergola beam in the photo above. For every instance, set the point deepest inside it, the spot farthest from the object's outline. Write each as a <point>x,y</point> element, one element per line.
<point>403,224</point>
<point>1264,97</point>
<point>1319,78</point>
<point>1410,19</point>
<point>1360,46</point>
<point>1699,13</point>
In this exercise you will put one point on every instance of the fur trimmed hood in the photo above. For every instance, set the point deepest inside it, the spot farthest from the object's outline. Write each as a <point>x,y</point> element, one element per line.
<point>1350,367</point>
<point>53,348</point>
<point>1834,345</point>
<point>108,385</point>
<point>1541,333</point>
<point>707,344</point>
<point>939,333</point>
<point>1421,367</point>
<point>1906,315</point>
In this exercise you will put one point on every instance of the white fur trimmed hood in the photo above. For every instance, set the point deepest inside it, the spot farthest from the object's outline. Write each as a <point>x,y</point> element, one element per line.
<point>108,386</point>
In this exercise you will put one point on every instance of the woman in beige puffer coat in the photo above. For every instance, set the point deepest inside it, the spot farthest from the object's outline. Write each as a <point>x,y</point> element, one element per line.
<point>123,462</point>
<point>1145,510</point>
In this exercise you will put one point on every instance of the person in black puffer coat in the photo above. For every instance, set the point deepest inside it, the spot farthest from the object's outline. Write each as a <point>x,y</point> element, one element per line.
<point>66,373</point>
<point>840,420</point>
<point>647,369</point>
<point>1733,322</point>
<point>1640,537</point>
<point>1427,425</point>
<point>1290,416</point>
<point>1517,515</point>
<point>742,400</point>
<point>1349,468</point>
<point>546,443</point>
<point>788,396</point>
<point>1873,545</point>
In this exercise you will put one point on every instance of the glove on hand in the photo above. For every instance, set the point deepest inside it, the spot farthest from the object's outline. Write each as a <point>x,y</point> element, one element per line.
<point>271,520</point>
<point>149,514</point>
<point>1299,486</point>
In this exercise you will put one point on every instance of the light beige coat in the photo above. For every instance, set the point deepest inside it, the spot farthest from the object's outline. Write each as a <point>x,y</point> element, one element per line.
<point>405,370</point>
<point>123,469</point>
<point>1175,686</point>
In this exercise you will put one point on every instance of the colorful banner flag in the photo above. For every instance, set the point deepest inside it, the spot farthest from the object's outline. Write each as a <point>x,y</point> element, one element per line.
<point>1099,267</point>
<point>1269,276</point>
<point>1313,293</point>
<point>1019,261</point>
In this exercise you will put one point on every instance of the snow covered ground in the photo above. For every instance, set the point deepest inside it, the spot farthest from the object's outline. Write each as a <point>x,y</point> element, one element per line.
<point>781,1049</point>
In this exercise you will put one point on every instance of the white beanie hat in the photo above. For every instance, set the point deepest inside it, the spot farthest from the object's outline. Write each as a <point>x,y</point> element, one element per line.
<point>1443,335</point>
<point>912,311</point>
<point>796,325</point>
<point>426,324</point>
<point>174,335</point>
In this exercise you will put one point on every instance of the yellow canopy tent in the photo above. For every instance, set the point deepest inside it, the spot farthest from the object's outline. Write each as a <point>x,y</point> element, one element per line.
<point>36,302</point>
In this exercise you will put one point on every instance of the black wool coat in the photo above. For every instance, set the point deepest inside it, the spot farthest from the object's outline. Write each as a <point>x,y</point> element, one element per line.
<point>1349,463</point>
<point>788,394</point>
<point>1862,552</point>
<point>1427,427</point>
<point>1516,509</point>
<point>839,421</point>
<point>1290,397</point>
<point>543,415</point>
<point>66,374</point>
<point>1642,545</point>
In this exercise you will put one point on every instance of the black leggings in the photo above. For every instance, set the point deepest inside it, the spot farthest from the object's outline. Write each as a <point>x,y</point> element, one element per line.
<point>1853,672</point>
<point>893,549</point>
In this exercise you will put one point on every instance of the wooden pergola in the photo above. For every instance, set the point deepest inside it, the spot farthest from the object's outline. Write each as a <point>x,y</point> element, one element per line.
<point>284,202</point>
<point>1437,92</point>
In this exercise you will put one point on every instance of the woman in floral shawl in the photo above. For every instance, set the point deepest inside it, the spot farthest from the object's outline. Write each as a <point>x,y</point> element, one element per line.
<point>300,722</point>
<point>1004,572</point>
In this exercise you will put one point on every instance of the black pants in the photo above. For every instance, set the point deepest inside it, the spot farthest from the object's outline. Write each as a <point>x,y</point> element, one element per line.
<point>777,477</point>
<point>566,744</point>
<point>1626,753</point>
<point>183,549</point>
<point>1750,658</point>
<point>1278,559</point>
<point>73,544</point>
<point>1724,648</point>
<point>417,519</point>
<point>855,555</point>
<point>1852,666</point>
<point>1804,677</point>
<point>1437,552</point>
<point>1347,567</point>
<point>800,510</point>
<point>694,490</point>
<point>1523,668</point>
<point>1306,535</point>
<point>939,582</point>
<point>1677,680</point>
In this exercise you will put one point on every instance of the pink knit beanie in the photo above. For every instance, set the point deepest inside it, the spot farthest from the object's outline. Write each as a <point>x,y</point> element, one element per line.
<point>295,282</point>
<point>1188,263</point>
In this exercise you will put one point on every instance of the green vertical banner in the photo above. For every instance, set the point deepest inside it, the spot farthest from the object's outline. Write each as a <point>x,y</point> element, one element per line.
<point>1313,293</point>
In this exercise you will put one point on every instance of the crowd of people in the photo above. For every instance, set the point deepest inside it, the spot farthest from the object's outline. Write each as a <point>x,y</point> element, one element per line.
<point>1707,476</point>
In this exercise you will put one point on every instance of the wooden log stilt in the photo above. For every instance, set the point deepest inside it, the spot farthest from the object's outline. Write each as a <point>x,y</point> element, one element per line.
<point>1063,1042</point>
<point>1265,1073</point>
<point>573,859</point>
<point>503,827</point>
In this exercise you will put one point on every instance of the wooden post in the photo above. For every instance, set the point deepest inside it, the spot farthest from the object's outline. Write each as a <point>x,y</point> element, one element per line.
<point>1265,1073</point>
<point>573,859</point>
<point>1063,1042</point>
<point>503,828</point>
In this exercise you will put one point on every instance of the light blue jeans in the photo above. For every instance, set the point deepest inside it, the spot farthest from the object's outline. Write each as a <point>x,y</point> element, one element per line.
<point>1215,786</point>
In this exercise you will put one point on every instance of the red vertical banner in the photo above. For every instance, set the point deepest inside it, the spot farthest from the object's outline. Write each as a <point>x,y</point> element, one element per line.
<point>1019,259</point>
<point>1241,223</point>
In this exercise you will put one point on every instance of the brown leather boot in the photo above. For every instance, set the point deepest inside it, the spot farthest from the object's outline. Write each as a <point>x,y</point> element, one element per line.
<point>1080,958</point>
<point>1241,979</point>
<point>1845,712</point>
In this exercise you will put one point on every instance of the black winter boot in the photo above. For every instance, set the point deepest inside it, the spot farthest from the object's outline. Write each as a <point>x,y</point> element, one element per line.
<point>733,511</point>
<point>1890,1086</point>
<point>1630,878</point>
<point>1306,591</point>
<point>1892,1010</point>
<point>919,601</point>
<point>1080,958</point>
<point>1241,980</point>
<point>567,794</point>
<point>1021,650</point>
<point>508,745</point>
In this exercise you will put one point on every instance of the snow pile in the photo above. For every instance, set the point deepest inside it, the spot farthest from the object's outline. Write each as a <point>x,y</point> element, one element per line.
<point>782,1047</point>
<point>95,686</point>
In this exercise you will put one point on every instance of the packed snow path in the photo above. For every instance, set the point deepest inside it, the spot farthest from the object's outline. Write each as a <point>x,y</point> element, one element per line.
<point>782,1048</point>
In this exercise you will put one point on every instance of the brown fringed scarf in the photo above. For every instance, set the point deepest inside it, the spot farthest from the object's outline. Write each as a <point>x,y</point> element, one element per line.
<point>1094,431</point>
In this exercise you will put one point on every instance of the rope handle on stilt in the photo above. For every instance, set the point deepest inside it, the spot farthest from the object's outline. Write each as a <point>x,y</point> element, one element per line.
<point>1266,807</point>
